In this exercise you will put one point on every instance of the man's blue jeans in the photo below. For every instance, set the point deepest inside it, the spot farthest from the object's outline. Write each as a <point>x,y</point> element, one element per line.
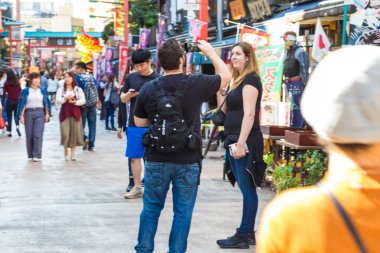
<point>248,189</point>
<point>89,115</point>
<point>158,177</point>
<point>296,89</point>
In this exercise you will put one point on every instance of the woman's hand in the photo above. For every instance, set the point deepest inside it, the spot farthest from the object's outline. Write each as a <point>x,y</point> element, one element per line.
<point>47,117</point>
<point>22,119</point>
<point>239,151</point>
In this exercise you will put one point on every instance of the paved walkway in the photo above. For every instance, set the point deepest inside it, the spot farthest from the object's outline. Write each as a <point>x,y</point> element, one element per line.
<point>60,206</point>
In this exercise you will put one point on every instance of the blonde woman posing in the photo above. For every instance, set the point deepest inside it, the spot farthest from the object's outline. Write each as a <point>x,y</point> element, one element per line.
<point>71,97</point>
<point>242,131</point>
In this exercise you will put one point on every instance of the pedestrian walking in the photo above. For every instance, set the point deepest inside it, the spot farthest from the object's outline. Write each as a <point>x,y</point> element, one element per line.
<point>170,107</point>
<point>111,101</point>
<point>34,111</point>
<point>71,97</point>
<point>142,61</point>
<point>11,92</point>
<point>341,213</point>
<point>88,84</point>
<point>3,78</point>
<point>102,86</point>
<point>52,88</point>
<point>44,81</point>
<point>244,139</point>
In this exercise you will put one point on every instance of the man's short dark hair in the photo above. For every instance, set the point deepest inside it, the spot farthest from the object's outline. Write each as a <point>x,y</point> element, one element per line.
<point>141,56</point>
<point>81,65</point>
<point>169,54</point>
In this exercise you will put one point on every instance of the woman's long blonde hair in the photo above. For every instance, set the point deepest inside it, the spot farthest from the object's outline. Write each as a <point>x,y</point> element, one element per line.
<point>250,66</point>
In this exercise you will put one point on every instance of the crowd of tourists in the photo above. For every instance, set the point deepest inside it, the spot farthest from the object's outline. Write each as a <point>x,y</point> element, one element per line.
<point>160,117</point>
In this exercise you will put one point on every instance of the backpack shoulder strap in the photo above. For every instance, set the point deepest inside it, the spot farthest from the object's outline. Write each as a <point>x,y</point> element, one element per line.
<point>345,217</point>
<point>159,90</point>
<point>180,91</point>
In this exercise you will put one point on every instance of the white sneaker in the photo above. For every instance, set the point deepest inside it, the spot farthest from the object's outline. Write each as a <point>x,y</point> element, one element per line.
<point>135,193</point>
<point>66,158</point>
<point>37,159</point>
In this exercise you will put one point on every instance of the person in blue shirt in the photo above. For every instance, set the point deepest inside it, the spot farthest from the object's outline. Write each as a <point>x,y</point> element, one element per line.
<point>88,84</point>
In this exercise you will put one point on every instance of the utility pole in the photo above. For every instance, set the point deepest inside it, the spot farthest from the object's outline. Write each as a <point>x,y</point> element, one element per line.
<point>219,22</point>
<point>18,7</point>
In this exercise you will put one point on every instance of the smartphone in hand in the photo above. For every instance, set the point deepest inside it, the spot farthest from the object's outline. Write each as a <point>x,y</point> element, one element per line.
<point>232,148</point>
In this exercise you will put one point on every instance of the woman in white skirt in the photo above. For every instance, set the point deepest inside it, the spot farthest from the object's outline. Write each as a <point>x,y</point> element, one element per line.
<point>71,97</point>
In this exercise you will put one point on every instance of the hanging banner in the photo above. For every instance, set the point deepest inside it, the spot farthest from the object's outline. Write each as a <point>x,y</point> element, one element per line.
<point>271,62</point>
<point>99,67</point>
<point>86,46</point>
<point>109,54</point>
<point>255,37</point>
<point>195,27</point>
<point>160,38</point>
<point>119,23</point>
<point>365,24</point>
<point>144,35</point>
<point>237,9</point>
<point>95,65</point>
<point>123,62</point>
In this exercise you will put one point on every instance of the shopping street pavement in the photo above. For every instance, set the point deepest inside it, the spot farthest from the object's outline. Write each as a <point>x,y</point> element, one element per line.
<point>59,206</point>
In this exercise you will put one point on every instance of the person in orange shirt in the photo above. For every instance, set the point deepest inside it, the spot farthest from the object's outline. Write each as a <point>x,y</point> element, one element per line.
<point>341,103</point>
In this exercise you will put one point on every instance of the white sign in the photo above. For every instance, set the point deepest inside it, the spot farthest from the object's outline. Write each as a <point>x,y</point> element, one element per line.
<point>192,7</point>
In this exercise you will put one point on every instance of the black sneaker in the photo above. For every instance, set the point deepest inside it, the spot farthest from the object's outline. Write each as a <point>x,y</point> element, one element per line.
<point>113,129</point>
<point>236,241</point>
<point>91,149</point>
<point>18,132</point>
<point>252,239</point>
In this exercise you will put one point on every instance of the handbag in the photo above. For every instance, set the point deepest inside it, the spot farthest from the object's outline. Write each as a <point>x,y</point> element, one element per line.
<point>219,116</point>
<point>2,122</point>
<point>114,97</point>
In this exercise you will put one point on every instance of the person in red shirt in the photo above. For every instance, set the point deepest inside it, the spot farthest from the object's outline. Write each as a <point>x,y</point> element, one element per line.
<point>11,92</point>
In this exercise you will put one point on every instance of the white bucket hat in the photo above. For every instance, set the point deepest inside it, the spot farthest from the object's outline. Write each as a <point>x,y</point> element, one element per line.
<point>341,101</point>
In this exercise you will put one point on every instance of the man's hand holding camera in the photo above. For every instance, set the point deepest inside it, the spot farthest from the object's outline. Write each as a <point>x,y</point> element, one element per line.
<point>206,48</point>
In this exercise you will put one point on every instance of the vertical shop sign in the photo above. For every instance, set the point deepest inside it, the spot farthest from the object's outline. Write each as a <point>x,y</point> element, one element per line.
<point>123,62</point>
<point>271,62</point>
<point>237,9</point>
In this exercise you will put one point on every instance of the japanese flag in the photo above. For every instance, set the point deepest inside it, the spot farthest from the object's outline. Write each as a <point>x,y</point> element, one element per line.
<point>321,44</point>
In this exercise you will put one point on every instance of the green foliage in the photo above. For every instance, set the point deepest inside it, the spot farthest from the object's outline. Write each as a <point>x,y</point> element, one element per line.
<point>307,169</point>
<point>268,158</point>
<point>315,163</point>
<point>142,14</point>
<point>108,31</point>
<point>284,179</point>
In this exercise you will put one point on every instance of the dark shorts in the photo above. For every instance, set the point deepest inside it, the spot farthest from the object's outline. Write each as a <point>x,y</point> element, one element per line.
<point>135,148</point>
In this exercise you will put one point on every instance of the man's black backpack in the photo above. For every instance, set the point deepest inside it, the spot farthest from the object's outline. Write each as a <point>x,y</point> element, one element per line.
<point>168,131</point>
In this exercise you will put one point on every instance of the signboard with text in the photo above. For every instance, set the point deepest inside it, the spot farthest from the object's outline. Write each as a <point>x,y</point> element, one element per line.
<point>61,42</point>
